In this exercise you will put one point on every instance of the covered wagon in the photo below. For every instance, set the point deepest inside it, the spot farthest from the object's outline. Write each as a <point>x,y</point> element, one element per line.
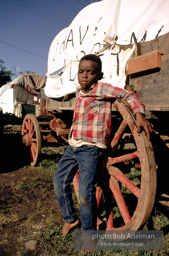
<point>130,38</point>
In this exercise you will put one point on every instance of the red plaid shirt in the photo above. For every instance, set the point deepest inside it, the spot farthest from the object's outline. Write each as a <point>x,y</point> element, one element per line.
<point>92,113</point>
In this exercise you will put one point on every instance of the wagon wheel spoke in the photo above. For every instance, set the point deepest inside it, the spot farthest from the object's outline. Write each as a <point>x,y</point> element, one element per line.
<point>26,124</point>
<point>32,129</point>
<point>123,158</point>
<point>118,134</point>
<point>33,135</point>
<point>114,186</point>
<point>119,175</point>
<point>110,224</point>
<point>29,125</point>
<point>34,140</point>
<point>25,127</point>
<point>33,150</point>
<point>98,195</point>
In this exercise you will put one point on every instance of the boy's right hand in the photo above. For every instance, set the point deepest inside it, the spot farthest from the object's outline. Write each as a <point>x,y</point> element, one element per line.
<point>142,122</point>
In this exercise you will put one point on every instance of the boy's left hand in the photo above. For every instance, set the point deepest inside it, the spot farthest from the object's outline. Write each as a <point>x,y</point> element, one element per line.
<point>142,122</point>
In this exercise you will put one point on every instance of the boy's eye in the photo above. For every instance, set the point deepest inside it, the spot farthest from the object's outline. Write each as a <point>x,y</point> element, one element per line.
<point>92,72</point>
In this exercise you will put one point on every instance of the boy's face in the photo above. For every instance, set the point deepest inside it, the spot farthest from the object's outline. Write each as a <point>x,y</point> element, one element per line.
<point>87,74</point>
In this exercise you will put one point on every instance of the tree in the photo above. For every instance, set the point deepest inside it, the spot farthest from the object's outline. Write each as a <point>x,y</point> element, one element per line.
<point>5,75</point>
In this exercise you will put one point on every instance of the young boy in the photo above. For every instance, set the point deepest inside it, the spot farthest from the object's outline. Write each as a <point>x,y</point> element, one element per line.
<point>89,137</point>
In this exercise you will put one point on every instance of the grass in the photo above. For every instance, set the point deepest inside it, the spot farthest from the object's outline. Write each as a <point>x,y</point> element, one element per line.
<point>29,211</point>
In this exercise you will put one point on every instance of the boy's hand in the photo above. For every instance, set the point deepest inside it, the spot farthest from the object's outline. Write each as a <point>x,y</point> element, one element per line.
<point>141,122</point>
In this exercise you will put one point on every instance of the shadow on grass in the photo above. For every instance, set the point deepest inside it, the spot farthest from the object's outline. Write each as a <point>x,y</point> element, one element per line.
<point>13,154</point>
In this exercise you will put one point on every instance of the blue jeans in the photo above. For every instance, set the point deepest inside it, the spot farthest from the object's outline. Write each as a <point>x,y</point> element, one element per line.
<point>86,159</point>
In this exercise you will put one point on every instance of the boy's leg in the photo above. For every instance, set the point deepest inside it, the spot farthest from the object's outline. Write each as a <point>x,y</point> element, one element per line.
<point>88,159</point>
<point>62,179</point>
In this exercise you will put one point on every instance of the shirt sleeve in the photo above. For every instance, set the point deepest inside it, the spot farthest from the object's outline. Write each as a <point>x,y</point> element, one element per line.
<point>110,91</point>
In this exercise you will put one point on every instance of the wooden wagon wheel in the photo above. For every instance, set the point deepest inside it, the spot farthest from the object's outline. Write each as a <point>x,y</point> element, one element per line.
<point>31,137</point>
<point>130,191</point>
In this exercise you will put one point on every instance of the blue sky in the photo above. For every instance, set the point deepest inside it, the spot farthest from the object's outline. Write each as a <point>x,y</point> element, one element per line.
<point>28,27</point>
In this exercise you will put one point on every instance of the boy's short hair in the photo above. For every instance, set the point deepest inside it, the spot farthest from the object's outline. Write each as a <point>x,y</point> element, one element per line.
<point>95,58</point>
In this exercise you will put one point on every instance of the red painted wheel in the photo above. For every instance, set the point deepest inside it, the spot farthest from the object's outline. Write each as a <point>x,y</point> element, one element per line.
<point>126,189</point>
<point>31,137</point>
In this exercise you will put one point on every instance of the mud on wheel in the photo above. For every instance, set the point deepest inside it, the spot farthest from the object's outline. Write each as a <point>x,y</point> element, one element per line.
<point>31,137</point>
<point>126,189</point>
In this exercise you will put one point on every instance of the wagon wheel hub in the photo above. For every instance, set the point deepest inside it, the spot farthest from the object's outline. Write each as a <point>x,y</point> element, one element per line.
<point>26,140</point>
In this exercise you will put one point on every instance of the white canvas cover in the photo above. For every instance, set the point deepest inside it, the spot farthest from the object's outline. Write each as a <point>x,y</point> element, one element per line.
<point>11,99</point>
<point>6,99</point>
<point>109,28</point>
<point>22,90</point>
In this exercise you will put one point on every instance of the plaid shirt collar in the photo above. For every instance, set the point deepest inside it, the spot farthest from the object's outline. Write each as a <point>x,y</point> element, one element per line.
<point>80,89</point>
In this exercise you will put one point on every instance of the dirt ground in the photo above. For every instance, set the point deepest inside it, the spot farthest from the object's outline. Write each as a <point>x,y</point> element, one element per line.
<point>27,200</point>
<point>21,210</point>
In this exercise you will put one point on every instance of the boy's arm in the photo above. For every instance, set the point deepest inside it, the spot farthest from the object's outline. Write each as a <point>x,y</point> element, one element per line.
<point>138,109</point>
<point>136,105</point>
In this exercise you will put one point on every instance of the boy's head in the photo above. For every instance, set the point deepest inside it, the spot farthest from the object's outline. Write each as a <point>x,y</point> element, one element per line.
<point>89,71</point>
